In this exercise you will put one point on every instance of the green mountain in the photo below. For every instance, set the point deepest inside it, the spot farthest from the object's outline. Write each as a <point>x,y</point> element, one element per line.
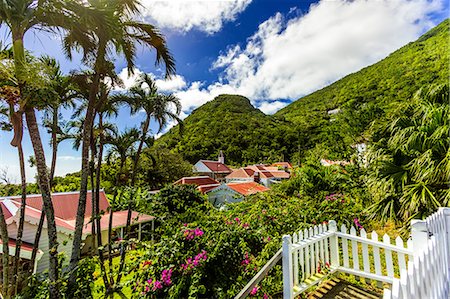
<point>230,123</point>
<point>371,93</point>
<point>361,101</point>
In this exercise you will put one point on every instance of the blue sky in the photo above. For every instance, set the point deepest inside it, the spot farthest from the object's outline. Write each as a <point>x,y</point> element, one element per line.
<point>271,51</point>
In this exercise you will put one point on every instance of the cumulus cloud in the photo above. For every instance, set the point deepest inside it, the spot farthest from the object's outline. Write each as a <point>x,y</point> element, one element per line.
<point>174,84</point>
<point>269,107</point>
<point>288,58</point>
<point>185,15</point>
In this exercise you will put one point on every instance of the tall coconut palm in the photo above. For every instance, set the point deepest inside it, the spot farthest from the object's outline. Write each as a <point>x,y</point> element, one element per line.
<point>410,167</point>
<point>64,95</point>
<point>162,108</point>
<point>111,29</point>
<point>20,16</point>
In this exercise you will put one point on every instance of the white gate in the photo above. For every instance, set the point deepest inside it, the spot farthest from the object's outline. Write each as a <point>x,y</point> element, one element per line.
<point>418,270</point>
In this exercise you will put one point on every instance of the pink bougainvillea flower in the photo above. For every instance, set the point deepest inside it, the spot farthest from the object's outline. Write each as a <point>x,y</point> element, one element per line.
<point>358,225</point>
<point>157,285</point>
<point>254,291</point>
<point>265,296</point>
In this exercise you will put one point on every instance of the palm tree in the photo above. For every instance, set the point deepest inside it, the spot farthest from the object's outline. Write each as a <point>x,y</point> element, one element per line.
<point>121,147</point>
<point>410,167</point>
<point>20,16</point>
<point>64,95</point>
<point>144,96</point>
<point>162,108</point>
<point>109,29</point>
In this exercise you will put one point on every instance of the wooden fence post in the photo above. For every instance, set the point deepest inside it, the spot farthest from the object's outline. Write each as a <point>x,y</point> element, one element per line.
<point>419,235</point>
<point>334,245</point>
<point>288,277</point>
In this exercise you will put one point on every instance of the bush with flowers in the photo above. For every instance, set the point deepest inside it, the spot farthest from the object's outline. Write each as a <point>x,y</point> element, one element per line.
<point>206,253</point>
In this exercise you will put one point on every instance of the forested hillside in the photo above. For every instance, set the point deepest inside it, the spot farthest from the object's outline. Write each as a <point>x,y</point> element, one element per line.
<point>371,93</point>
<point>230,123</point>
<point>365,101</point>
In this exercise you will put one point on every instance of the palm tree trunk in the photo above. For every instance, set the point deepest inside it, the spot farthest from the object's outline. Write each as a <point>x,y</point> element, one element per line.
<point>37,238</point>
<point>20,70</point>
<point>97,202</point>
<point>133,181</point>
<point>44,186</point>
<point>5,256</point>
<point>21,219</point>
<point>54,145</point>
<point>87,131</point>
<point>139,150</point>
<point>93,190</point>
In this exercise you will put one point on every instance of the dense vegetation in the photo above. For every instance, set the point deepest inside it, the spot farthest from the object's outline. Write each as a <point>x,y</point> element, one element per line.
<point>399,107</point>
<point>230,123</point>
<point>366,99</point>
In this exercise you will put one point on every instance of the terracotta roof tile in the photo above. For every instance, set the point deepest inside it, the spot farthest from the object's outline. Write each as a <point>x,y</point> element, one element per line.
<point>196,180</point>
<point>247,188</point>
<point>207,188</point>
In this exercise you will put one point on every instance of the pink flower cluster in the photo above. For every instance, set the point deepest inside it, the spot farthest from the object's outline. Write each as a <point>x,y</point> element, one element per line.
<point>191,263</point>
<point>254,291</point>
<point>238,221</point>
<point>166,276</point>
<point>245,262</point>
<point>335,197</point>
<point>356,222</point>
<point>155,285</point>
<point>190,234</point>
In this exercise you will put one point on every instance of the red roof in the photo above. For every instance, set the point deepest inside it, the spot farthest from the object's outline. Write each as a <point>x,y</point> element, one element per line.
<point>282,164</point>
<point>247,188</point>
<point>196,180</point>
<point>281,174</point>
<point>119,220</point>
<point>216,166</point>
<point>6,212</point>
<point>24,246</point>
<point>66,204</point>
<point>240,173</point>
<point>206,188</point>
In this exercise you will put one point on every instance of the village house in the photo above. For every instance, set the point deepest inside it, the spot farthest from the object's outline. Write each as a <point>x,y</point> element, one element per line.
<point>214,169</point>
<point>203,183</point>
<point>65,208</point>
<point>266,175</point>
<point>221,194</point>
<point>233,192</point>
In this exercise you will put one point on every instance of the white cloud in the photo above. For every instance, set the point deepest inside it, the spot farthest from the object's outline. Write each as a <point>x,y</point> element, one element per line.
<point>289,59</point>
<point>271,107</point>
<point>176,83</point>
<point>185,15</point>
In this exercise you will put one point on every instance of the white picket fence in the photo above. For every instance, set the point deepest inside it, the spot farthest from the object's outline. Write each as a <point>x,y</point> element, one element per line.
<point>418,270</point>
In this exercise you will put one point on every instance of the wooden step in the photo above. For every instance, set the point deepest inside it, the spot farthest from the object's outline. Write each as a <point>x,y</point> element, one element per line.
<point>337,289</point>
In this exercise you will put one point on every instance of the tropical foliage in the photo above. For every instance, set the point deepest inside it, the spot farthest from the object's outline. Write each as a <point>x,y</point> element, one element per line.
<point>409,166</point>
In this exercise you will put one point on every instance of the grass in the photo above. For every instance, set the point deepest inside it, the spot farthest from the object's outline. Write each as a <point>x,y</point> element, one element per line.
<point>98,289</point>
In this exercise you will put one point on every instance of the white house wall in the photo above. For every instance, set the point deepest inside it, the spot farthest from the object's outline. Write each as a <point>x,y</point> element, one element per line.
<point>29,234</point>
<point>223,196</point>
